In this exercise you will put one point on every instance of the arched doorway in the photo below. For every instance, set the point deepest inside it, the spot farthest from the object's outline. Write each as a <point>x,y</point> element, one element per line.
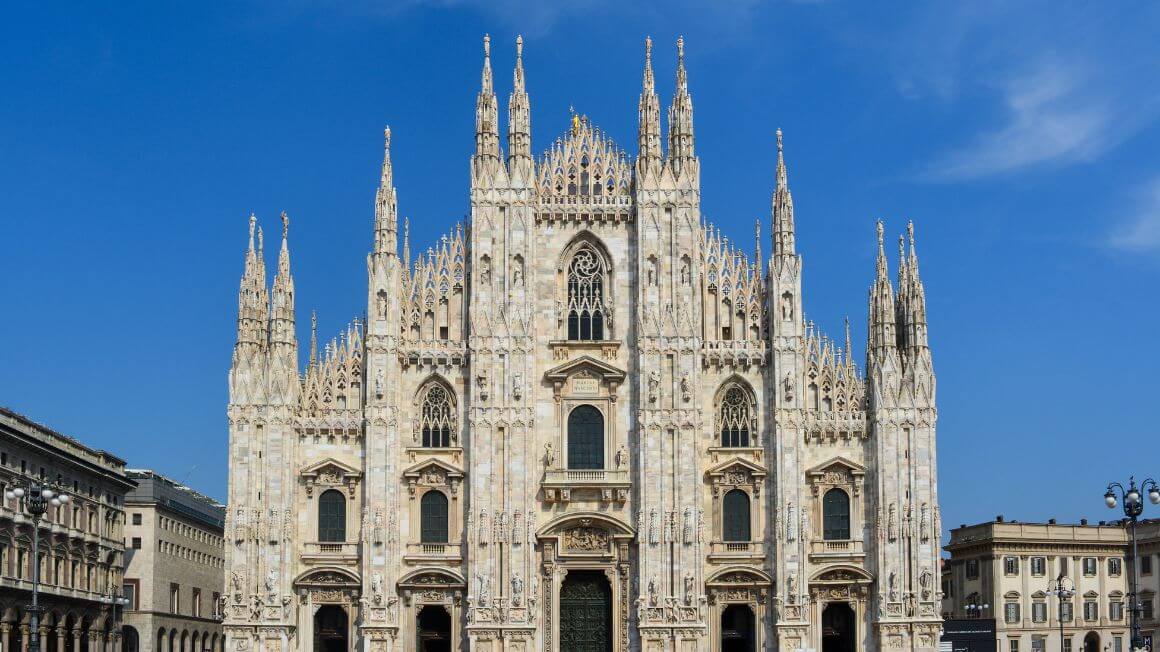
<point>330,629</point>
<point>585,612</point>
<point>434,628</point>
<point>838,631</point>
<point>737,633</point>
<point>130,642</point>
<point>1091,642</point>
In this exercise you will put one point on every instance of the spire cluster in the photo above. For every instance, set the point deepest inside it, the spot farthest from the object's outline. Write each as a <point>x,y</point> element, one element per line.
<point>897,322</point>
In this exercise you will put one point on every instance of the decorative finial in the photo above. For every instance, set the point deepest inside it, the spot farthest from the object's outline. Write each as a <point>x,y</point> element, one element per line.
<point>387,137</point>
<point>285,225</point>
<point>519,46</point>
<point>253,221</point>
<point>901,248</point>
<point>881,230</point>
<point>648,48</point>
<point>910,232</point>
<point>486,45</point>
<point>681,47</point>
<point>779,140</point>
<point>261,240</point>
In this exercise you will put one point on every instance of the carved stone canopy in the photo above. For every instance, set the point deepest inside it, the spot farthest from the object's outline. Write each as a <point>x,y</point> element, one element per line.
<point>844,574</point>
<point>586,534</point>
<point>432,585</point>
<point>836,472</point>
<point>328,578</point>
<point>433,473</point>
<point>737,472</point>
<point>738,584</point>
<point>330,473</point>
<point>584,367</point>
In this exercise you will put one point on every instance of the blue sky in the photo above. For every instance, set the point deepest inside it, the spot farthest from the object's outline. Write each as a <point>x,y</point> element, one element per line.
<point>136,138</point>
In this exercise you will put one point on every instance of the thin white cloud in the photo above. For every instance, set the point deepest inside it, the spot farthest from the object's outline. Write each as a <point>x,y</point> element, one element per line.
<point>1053,115</point>
<point>1140,232</point>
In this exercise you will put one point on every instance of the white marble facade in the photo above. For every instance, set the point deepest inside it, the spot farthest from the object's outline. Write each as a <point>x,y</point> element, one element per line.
<point>587,404</point>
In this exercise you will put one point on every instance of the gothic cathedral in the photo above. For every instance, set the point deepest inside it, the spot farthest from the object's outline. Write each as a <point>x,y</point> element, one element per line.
<point>585,421</point>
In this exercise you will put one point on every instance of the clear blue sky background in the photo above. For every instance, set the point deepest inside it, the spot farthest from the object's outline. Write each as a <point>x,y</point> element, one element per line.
<point>135,139</point>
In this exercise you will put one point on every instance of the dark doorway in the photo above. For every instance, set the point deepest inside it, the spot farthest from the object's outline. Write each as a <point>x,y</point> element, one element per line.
<point>585,612</point>
<point>737,629</point>
<point>1091,642</point>
<point>838,632</point>
<point>330,629</point>
<point>130,642</point>
<point>434,629</point>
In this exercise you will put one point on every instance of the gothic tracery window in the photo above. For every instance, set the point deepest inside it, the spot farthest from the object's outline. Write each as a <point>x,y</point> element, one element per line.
<point>735,417</point>
<point>437,417</point>
<point>587,312</point>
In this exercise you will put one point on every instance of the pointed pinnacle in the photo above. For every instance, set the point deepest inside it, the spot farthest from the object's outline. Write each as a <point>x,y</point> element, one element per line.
<point>285,228</point>
<point>253,222</point>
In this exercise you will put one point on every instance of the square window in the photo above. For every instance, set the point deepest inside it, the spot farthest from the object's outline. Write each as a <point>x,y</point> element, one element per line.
<point>136,543</point>
<point>1114,566</point>
<point>1067,644</point>
<point>1089,566</point>
<point>1065,612</point>
<point>1013,645</point>
<point>1039,566</point>
<point>1011,565</point>
<point>1011,612</point>
<point>1146,565</point>
<point>1039,613</point>
<point>137,519</point>
<point>972,569</point>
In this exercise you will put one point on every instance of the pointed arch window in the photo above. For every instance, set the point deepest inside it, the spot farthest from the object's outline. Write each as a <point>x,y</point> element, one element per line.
<point>587,280</point>
<point>735,516</point>
<point>332,516</point>
<point>836,515</point>
<point>433,518</point>
<point>735,417</point>
<point>585,438</point>
<point>436,416</point>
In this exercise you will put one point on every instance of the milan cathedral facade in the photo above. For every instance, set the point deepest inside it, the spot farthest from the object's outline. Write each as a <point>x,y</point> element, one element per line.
<point>583,421</point>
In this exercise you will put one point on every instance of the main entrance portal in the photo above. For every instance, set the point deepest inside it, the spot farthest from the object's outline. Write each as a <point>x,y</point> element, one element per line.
<point>838,628</point>
<point>737,629</point>
<point>331,628</point>
<point>434,629</point>
<point>585,612</point>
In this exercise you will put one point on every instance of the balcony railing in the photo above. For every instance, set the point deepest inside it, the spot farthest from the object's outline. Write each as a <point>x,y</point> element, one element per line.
<point>837,548</point>
<point>433,552</point>
<point>611,484</point>
<point>736,549</point>
<point>329,551</point>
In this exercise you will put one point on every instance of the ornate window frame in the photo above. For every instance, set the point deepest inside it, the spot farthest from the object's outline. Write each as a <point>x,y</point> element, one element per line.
<point>836,473</point>
<point>434,475</point>
<point>419,418</point>
<point>587,243</point>
<point>744,475</point>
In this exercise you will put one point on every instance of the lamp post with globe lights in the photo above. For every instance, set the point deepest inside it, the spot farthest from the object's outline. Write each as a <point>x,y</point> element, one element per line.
<point>976,607</point>
<point>35,498</point>
<point>1133,506</point>
<point>1064,588</point>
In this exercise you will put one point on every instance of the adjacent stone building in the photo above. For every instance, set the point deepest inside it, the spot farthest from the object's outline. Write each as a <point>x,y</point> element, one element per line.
<point>586,420</point>
<point>1007,571</point>
<point>1148,537</point>
<point>81,545</point>
<point>176,565</point>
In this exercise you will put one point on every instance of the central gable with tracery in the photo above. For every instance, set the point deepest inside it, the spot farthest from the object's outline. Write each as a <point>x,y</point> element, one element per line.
<point>584,167</point>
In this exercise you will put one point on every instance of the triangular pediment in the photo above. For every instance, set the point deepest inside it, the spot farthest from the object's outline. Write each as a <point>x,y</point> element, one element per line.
<point>737,464</point>
<point>439,466</point>
<point>838,464</point>
<point>330,466</point>
<point>584,364</point>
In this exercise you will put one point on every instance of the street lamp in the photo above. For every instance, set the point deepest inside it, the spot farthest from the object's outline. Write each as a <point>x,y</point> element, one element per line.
<point>1060,587</point>
<point>35,498</point>
<point>1133,507</point>
<point>975,608</point>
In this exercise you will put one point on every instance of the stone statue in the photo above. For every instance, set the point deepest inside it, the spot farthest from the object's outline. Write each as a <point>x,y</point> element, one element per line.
<point>893,587</point>
<point>924,581</point>
<point>237,583</point>
<point>484,593</point>
<point>484,528</point>
<point>517,590</point>
<point>518,386</point>
<point>272,583</point>
<point>786,307</point>
<point>378,529</point>
<point>787,387</point>
<point>652,592</point>
<point>485,270</point>
<point>377,587</point>
<point>806,534</point>
<point>690,525</point>
<point>686,388</point>
<point>790,522</point>
<point>924,523</point>
<point>518,273</point>
<point>653,529</point>
<point>689,582</point>
<point>684,272</point>
<point>621,457</point>
<point>791,588</point>
<point>654,383</point>
<point>892,523</point>
<point>549,455</point>
<point>379,382</point>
